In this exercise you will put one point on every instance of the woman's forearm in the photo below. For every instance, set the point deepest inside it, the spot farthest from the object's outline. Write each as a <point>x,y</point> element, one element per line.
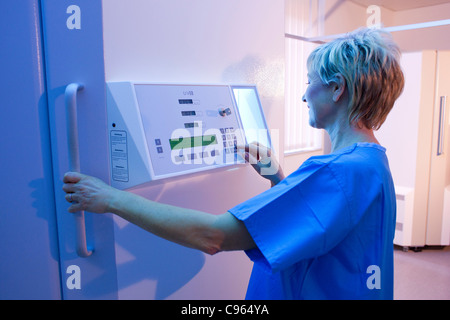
<point>191,228</point>
<point>195,229</point>
<point>183,226</point>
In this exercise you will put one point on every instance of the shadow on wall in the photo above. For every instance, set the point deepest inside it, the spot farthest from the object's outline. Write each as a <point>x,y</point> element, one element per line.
<point>149,267</point>
<point>267,75</point>
<point>171,266</point>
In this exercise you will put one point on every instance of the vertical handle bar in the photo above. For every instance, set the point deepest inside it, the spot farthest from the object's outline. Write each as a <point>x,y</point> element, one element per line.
<point>74,161</point>
<point>440,147</point>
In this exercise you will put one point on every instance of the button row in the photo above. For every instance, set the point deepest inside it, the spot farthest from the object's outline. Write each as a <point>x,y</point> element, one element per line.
<point>193,156</point>
<point>226,130</point>
<point>159,149</point>
<point>229,140</point>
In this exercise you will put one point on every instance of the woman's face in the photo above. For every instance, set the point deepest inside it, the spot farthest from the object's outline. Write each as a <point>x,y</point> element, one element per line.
<point>319,99</point>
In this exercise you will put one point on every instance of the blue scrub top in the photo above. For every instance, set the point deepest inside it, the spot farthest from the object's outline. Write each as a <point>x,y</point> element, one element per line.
<point>326,231</point>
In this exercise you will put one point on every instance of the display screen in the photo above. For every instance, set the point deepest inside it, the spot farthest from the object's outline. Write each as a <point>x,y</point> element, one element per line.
<point>252,116</point>
<point>191,142</point>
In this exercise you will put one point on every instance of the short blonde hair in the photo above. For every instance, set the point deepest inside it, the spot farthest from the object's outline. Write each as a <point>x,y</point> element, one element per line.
<point>368,59</point>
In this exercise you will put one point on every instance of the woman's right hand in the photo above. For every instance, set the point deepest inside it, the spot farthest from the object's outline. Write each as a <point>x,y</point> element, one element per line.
<point>261,159</point>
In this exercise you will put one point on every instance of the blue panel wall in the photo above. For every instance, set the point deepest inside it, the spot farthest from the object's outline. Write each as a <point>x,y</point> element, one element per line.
<point>29,267</point>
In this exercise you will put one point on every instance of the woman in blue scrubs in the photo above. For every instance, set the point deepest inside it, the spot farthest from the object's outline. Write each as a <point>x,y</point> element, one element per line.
<point>324,232</point>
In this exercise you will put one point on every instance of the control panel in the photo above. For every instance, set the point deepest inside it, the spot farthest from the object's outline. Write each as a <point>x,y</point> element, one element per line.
<point>159,131</point>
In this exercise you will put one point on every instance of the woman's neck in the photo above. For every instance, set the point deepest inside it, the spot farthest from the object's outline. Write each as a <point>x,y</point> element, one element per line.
<point>345,135</point>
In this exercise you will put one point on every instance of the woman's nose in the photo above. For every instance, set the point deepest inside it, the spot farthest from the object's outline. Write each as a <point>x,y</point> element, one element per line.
<point>304,98</point>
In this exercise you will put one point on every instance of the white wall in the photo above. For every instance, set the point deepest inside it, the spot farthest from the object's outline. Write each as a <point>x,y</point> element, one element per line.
<point>399,134</point>
<point>344,15</point>
<point>435,38</point>
<point>195,41</point>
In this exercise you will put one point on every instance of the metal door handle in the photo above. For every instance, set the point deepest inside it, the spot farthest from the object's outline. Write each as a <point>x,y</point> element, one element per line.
<point>440,146</point>
<point>74,161</point>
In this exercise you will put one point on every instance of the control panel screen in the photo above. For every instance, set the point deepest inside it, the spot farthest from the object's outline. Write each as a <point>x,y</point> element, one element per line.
<point>191,142</point>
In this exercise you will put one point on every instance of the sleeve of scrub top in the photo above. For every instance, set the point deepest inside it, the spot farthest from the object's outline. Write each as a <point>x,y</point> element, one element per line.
<point>298,219</point>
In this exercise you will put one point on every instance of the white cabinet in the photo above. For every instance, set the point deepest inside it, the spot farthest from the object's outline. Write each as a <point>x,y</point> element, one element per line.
<point>416,135</point>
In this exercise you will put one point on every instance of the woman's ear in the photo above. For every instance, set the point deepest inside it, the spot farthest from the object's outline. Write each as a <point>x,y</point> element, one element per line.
<point>339,85</point>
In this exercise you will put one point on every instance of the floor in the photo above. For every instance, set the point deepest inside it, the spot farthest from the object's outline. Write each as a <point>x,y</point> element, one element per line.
<point>423,275</point>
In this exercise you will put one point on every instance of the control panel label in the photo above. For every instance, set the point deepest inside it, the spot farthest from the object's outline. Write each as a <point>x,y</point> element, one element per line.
<point>119,155</point>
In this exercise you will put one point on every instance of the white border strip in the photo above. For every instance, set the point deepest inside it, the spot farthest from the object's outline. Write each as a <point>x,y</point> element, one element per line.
<point>414,26</point>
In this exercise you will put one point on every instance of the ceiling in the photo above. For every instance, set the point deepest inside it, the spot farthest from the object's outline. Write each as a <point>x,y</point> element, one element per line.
<point>400,5</point>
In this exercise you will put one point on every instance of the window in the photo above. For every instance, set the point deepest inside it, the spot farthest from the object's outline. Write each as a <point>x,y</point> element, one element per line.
<point>299,135</point>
